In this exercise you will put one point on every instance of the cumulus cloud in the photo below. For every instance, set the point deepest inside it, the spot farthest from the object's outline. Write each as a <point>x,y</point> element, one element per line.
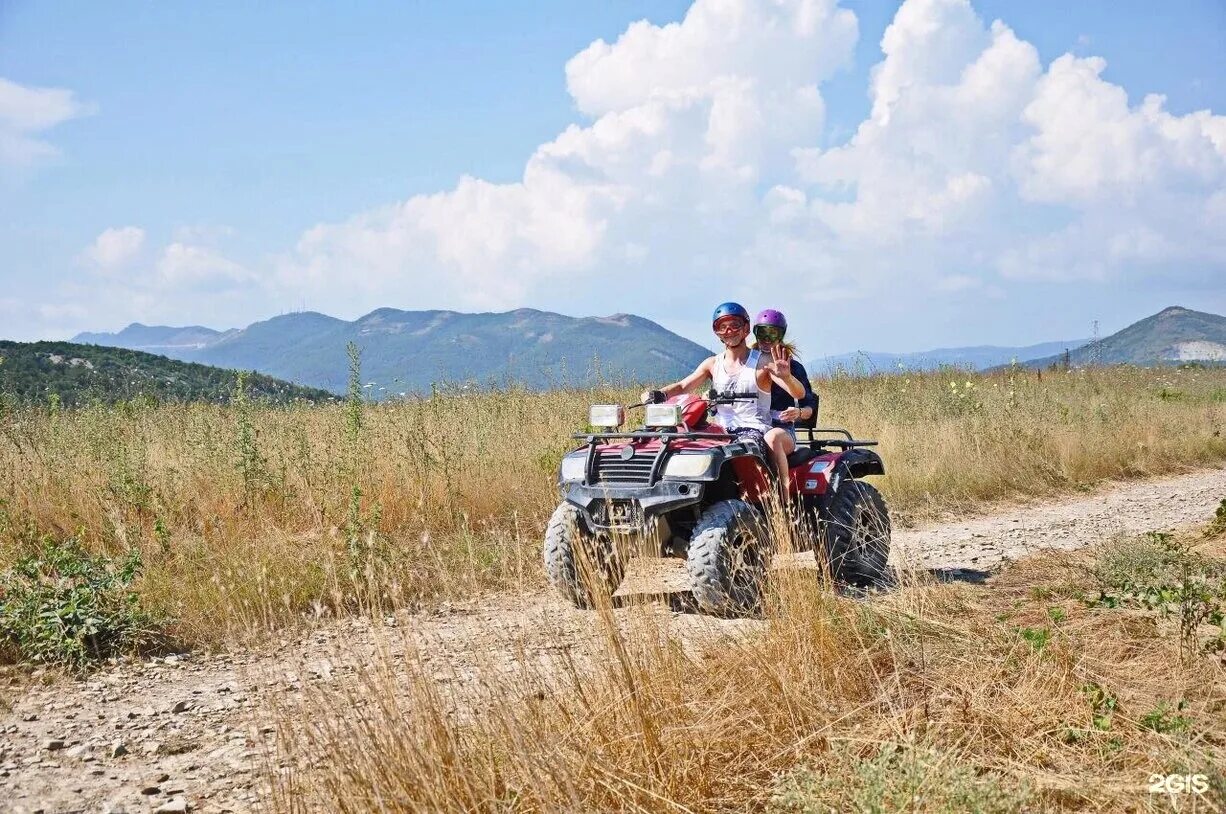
<point>979,160</point>
<point>192,268</point>
<point>1089,146</point>
<point>115,248</point>
<point>700,163</point>
<point>25,112</point>
<point>687,121</point>
<point>175,282</point>
<point>700,169</point>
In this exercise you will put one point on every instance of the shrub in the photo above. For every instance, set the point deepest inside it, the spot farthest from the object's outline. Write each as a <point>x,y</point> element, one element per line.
<point>900,777</point>
<point>1159,573</point>
<point>1218,524</point>
<point>64,606</point>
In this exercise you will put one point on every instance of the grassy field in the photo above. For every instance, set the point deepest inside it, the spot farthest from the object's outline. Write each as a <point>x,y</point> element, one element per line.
<point>248,517</point>
<point>1067,685</point>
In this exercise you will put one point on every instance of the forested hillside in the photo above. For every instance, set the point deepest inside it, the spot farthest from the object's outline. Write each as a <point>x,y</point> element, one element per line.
<point>38,372</point>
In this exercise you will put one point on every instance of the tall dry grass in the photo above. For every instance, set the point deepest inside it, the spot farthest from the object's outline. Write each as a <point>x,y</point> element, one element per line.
<point>251,516</point>
<point>936,699</point>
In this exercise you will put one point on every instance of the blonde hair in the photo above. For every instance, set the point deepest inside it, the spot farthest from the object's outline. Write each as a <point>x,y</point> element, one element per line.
<point>790,347</point>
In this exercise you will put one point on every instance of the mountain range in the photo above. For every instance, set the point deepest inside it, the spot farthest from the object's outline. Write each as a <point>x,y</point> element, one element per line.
<point>977,357</point>
<point>160,339</point>
<point>413,351</point>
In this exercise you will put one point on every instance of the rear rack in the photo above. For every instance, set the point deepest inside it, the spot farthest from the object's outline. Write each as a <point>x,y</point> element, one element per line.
<point>817,443</point>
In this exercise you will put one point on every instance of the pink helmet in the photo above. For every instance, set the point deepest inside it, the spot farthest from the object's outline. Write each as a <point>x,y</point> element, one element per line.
<point>771,317</point>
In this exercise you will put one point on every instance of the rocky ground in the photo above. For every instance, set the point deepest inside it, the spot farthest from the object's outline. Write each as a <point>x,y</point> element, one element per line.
<point>192,732</point>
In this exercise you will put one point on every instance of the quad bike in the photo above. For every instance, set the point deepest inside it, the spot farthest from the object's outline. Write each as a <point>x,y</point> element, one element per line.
<point>683,487</point>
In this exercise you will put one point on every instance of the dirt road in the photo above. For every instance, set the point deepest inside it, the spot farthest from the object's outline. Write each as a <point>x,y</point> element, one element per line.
<point>189,732</point>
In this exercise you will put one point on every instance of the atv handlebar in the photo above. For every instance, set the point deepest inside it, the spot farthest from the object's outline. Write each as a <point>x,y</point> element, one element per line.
<point>712,396</point>
<point>715,397</point>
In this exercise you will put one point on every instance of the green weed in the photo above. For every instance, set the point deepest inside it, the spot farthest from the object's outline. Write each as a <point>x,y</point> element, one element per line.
<point>1037,637</point>
<point>1158,573</point>
<point>899,777</point>
<point>1164,720</point>
<point>1102,706</point>
<point>1218,524</point>
<point>64,606</point>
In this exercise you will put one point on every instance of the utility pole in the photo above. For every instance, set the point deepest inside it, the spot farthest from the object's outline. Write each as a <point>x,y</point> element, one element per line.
<point>1096,353</point>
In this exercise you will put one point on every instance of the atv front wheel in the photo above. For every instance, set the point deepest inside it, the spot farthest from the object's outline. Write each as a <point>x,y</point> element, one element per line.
<point>856,536</point>
<point>728,559</point>
<point>580,564</point>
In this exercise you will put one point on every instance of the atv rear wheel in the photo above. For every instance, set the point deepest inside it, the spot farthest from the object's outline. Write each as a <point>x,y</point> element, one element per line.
<point>856,536</point>
<point>728,559</point>
<point>580,564</point>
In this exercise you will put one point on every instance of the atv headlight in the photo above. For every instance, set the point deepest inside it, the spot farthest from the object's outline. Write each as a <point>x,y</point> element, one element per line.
<point>662,415</point>
<point>606,415</point>
<point>688,465</point>
<point>574,467</point>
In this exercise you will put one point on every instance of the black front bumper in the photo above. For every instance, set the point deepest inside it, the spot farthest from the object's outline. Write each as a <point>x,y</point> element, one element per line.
<point>630,507</point>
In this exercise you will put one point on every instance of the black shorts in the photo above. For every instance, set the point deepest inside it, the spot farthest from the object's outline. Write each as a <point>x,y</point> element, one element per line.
<point>749,434</point>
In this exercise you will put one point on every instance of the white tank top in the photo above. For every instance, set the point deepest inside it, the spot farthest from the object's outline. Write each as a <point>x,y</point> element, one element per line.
<point>755,414</point>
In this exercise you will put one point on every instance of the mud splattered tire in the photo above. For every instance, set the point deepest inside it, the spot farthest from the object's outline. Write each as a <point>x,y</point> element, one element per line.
<point>856,537</point>
<point>581,565</point>
<point>729,558</point>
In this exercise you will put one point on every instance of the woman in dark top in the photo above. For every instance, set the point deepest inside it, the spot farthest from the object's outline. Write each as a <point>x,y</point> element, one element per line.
<point>787,412</point>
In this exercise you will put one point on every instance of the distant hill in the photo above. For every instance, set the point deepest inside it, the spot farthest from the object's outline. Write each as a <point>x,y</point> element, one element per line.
<point>155,338</point>
<point>408,351</point>
<point>979,357</point>
<point>32,372</point>
<point>1170,336</point>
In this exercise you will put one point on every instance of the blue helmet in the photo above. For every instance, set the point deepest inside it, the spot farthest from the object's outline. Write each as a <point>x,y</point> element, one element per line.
<point>729,309</point>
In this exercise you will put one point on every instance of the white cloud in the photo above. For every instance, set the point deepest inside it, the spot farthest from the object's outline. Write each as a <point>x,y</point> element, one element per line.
<point>25,112</point>
<point>183,267</point>
<point>174,283</point>
<point>697,173</point>
<point>958,282</point>
<point>203,233</point>
<point>63,311</point>
<point>114,248</point>
<point>975,161</point>
<point>688,119</point>
<point>1090,147</point>
<point>975,158</point>
<point>780,47</point>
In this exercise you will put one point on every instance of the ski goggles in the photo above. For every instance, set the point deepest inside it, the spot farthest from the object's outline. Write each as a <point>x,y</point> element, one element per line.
<point>768,333</point>
<point>727,325</point>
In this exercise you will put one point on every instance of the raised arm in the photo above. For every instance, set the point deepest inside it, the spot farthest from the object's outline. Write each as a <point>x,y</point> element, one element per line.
<point>809,400</point>
<point>686,385</point>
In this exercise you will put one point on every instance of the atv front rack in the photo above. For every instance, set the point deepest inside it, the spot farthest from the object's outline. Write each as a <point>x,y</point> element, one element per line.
<point>647,435</point>
<point>592,439</point>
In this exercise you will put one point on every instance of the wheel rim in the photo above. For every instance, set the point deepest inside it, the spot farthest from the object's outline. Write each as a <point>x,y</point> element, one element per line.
<point>744,563</point>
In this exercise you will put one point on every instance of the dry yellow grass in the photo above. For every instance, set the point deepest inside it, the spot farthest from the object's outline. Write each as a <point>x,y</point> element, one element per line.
<point>250,516</point>
<point>937,699</point>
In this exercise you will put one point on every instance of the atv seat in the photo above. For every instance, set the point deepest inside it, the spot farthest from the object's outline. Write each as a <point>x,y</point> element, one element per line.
<point>802,455</point>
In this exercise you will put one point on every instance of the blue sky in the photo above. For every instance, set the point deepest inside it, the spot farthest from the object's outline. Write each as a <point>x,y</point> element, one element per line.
<point>220,163</point>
